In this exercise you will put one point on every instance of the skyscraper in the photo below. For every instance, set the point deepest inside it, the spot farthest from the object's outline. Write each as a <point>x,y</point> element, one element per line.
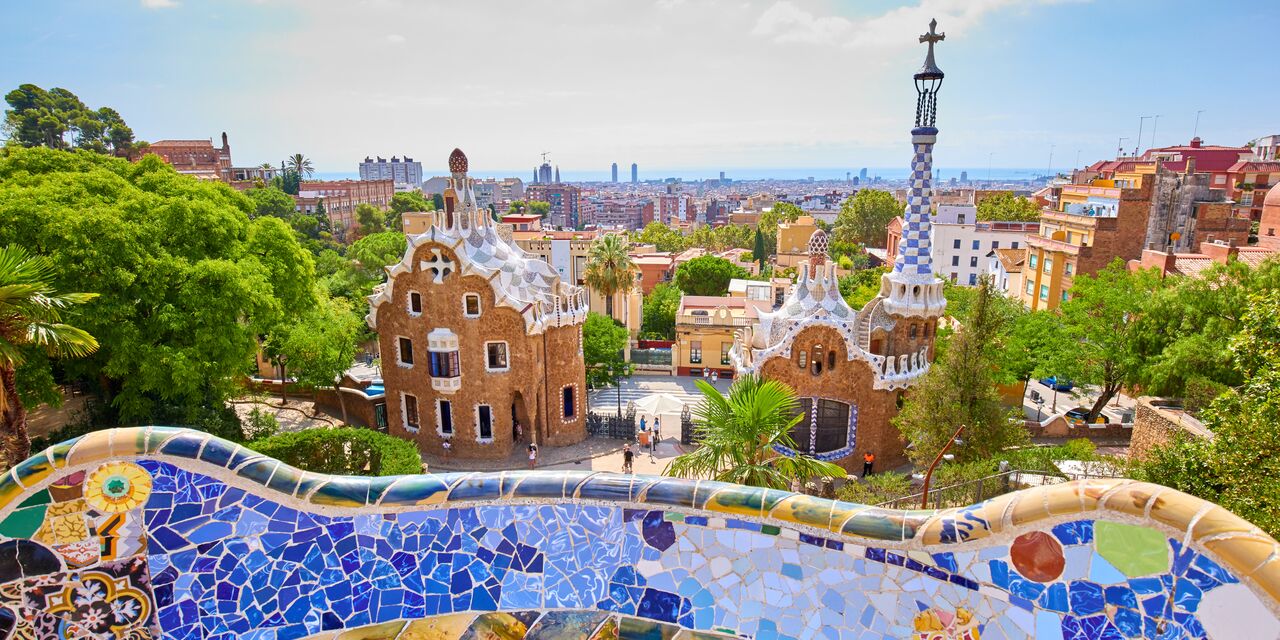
<point>635,173</point>
<point>557,174</point>
<point>862,175</point>
<point>615,172</point>
<point>544,173</point>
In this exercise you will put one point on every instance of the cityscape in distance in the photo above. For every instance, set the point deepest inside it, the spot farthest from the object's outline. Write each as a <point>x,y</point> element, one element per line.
<point>639,320</point>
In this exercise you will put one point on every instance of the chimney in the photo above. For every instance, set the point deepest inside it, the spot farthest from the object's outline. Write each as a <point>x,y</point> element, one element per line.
<point>1191,164</point>
<point>1195,142</point>
<point>225,145</point>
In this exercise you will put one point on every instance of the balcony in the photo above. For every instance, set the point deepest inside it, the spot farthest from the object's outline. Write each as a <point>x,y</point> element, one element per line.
<point>446,385</point>
<point>689,318</point>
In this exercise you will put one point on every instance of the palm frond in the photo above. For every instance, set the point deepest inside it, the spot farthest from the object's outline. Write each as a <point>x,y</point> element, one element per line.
<point>61,340</point>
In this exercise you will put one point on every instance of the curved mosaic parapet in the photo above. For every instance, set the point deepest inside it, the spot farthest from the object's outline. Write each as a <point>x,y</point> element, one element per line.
<point>157,531</point>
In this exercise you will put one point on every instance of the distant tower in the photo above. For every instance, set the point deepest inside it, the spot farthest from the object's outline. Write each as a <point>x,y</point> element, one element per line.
<point>535,175</point>
<point>557,174</point>
<point>911,289</point>
<point>635,173</point>
<point>964,176</point>
<point>721,176</point>
<point>862,175</point>
<point>848,176</point>
<point>615,172</point>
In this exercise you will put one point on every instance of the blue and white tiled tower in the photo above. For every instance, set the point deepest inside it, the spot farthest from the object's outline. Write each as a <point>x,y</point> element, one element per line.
<point>911,289</point>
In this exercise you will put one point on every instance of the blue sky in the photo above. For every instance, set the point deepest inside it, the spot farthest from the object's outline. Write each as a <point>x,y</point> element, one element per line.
<point>672,84</point>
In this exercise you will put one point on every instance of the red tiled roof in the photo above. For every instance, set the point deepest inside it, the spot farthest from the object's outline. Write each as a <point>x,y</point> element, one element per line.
<point>1260,166</point>
<point>182,143</point>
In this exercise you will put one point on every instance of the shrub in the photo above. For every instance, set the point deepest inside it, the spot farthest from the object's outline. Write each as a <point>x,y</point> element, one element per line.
<point>877,488</point>
<point>343,451</point>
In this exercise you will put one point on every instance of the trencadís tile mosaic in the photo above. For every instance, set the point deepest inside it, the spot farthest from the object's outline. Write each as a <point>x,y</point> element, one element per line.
<point>156,532</point>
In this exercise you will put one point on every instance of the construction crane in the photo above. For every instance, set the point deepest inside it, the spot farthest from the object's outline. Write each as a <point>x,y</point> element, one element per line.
<point>544,156</point>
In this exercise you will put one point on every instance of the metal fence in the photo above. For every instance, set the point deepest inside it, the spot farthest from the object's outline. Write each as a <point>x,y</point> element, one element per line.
<point>963,494</point>
<point>687,435</point>
<point>621,427</point>
<point>657,357</point>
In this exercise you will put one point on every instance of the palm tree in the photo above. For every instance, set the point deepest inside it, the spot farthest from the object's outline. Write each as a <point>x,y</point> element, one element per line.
<point>30,316</point>
<point>609,268</point>
<point>737,434</point>
<point>301,165</point>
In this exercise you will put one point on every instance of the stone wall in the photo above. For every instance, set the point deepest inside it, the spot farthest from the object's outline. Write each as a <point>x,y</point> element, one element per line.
<point>161,532</point>
<point>1158,421</point>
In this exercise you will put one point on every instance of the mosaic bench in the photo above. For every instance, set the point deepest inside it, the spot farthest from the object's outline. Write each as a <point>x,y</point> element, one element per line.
<point>162,532</point>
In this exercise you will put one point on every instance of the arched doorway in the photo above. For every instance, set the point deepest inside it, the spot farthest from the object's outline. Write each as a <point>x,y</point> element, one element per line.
<point>520,416</point>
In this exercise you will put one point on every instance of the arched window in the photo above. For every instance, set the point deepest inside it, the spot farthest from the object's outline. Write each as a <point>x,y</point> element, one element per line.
<point>817,359</point>
<point>832,426</point>
<point>802,360</point>
<point>831,360</point>
<point>912,332</point>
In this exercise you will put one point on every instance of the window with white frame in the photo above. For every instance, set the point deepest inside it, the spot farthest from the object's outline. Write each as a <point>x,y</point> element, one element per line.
<point>695,352</point>
<point>484,422</point>
<point>1031,287</point>
<point>471,305</point>
<point>495,354</point>
<point>410,406</point>
<point>444,417</point>
<point>404,351</point>
<point>415,303</point>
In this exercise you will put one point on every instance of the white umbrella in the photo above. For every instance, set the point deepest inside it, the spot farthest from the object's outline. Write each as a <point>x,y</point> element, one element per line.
<point>659,404</point>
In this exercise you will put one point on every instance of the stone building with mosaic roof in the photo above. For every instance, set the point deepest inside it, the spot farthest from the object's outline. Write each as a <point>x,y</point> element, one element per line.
<point>477,335</point>
<point>850,367</point>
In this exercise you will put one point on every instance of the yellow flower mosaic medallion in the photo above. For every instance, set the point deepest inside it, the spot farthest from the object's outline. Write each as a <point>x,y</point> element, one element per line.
<point>117,487</point>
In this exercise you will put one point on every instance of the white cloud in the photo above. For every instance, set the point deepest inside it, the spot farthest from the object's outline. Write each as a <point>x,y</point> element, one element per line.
<point>159,4</point>
<point>785,22</point>
<point>395,38</point>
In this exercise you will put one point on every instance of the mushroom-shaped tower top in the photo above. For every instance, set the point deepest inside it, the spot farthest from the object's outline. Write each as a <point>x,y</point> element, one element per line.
<point>458,161</point>
<point>818,244</point>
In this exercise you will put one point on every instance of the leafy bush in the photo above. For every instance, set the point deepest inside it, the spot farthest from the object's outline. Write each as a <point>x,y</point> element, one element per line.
<point>343,451</point>
<point>877,488</point>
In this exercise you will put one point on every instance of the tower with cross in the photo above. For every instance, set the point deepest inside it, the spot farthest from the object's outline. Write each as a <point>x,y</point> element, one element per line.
<point>912,289</point>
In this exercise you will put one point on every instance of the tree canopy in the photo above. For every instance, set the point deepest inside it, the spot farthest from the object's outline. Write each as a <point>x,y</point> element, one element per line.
<point>404,202</point>
<point>1238,467</point>
<point>187,281</point>
<point>1006,207</point>
<point>603,340</point>
<point>859,287</point>
<point>39,118</point>
<point>1103,330</point>
<point>662,237</point>
<point>659,315</point>
<point>609,268</point>
<point>864,217</point>
<point>959,390</point>
<point>707,276</point>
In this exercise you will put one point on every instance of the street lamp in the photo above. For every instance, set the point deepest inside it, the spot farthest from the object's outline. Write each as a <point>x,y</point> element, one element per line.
<point>928,475</point>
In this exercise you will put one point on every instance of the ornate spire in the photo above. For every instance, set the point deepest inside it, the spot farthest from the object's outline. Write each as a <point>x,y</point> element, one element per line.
<point>818,244</point>
<point>911,288</point>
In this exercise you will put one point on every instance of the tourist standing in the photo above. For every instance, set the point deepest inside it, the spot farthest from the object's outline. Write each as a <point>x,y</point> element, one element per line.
<point>533,455</point>
<point>868,460</point>
<point>627,456</point>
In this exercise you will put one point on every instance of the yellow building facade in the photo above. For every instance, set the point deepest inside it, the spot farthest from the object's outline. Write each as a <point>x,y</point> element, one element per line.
<point>705,331</point>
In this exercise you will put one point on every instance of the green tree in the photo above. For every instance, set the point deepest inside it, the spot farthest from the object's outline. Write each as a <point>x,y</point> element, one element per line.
<point>45,118</point>
<point>319,346</point>
<point>959,390</point>
<point>300,165</point>
<point>707,276</point>
<point>859,287</point>
<point>1006,207</point>
<point>31,310</point>
<point>187,281</point>
<point>1237,468</point>
<point>1028,344</point>
<point>737,433</point>
<point>603,342</point>
<point>376,251</point>
<point>517,207</point>
<point>659,314</point>
<point>864,217</point>
<point>405,202</point>
<point>437,200</point>
<point>759,251</point>
<point>779,212</point>
<point>370,218</point>
<point>271,201</point>
<point>609,268</point>
<point>1102,330</point>
<point>1187,326</point>
<point>662,237</point>
<point>539,208</point>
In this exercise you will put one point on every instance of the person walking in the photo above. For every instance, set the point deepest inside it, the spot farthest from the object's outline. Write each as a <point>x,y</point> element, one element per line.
<point>643,426</point>
<point>868,460</point>
<point>657,430</point>
<point>627,456</point>
<point>533,455</point>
